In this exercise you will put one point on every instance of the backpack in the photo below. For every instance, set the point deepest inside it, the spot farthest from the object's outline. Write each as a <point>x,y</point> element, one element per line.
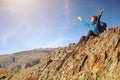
<point>102,26</point>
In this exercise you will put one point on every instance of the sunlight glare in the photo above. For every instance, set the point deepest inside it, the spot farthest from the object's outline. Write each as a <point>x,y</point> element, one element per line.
<point>19,3</point>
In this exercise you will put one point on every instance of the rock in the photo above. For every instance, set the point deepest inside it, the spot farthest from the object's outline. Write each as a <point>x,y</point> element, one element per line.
<point>34,62</point>
<point>97,59</point>
<point>6,63</point>
<point>16,69</point>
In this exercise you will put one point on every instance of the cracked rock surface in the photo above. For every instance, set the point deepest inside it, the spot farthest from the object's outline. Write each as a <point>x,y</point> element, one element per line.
<point>97,59</point>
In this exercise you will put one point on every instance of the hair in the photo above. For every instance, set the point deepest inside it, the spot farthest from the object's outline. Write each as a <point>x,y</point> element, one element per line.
<point>95,17</point>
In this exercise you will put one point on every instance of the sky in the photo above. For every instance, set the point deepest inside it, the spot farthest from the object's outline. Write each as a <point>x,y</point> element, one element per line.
<point>32,24</point>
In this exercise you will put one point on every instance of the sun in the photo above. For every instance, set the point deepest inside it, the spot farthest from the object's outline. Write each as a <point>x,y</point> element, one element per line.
<point>19,3</point>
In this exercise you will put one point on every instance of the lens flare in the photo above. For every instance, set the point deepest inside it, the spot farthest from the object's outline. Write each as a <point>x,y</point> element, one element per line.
<point>19,4</point>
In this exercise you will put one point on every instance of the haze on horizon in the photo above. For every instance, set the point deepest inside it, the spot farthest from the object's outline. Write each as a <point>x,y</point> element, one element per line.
<point>30,24</point>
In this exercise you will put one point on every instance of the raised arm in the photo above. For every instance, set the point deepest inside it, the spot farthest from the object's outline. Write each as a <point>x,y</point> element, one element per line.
<point>100,14</point>
<point>98,20</point>
<point>83,22</point>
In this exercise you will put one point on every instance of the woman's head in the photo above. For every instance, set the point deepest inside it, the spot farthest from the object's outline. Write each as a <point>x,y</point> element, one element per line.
<point>94,19</point>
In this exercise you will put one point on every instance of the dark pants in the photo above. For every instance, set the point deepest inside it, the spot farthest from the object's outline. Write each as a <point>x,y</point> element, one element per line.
<point>85,38</point>
<point>90,33</point>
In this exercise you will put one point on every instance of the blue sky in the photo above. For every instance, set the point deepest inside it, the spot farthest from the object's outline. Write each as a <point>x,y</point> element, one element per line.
<point>30,24</point>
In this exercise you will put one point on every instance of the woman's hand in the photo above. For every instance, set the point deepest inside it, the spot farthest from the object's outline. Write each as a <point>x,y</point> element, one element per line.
<point>79,18</point>
<point>101,11</point>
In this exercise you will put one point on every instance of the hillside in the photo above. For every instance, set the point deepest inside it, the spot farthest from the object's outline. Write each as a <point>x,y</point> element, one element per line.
<point>22,60</point>
<point>96,58</point>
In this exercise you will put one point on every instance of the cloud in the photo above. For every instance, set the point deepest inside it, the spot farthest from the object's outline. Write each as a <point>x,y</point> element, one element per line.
<point>35,30</point>
<point>21,10</point>
<point>66,9</point>
<point>60,42</point>
<point>20,19</point>
<point>11,32</point>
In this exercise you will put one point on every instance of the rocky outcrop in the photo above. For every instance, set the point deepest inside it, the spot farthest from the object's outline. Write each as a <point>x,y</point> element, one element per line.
<point>7,62</point>
<point>98,58</point>
<point>16,69</point>
<point>34,62</point>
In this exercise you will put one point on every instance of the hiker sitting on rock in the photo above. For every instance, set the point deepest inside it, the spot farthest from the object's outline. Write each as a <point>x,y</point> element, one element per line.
<point>96,26</point>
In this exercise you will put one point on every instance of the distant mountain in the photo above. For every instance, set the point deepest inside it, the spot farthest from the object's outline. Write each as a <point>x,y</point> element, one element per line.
<point>22,60</point>
<point>92,58</point>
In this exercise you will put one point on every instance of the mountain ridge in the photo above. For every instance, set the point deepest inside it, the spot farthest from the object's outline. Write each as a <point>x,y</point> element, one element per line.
<point>97,58</point>
<point>22,60</point>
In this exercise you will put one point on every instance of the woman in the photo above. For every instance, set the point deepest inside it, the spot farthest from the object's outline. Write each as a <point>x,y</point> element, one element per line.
<point>95,23</point>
